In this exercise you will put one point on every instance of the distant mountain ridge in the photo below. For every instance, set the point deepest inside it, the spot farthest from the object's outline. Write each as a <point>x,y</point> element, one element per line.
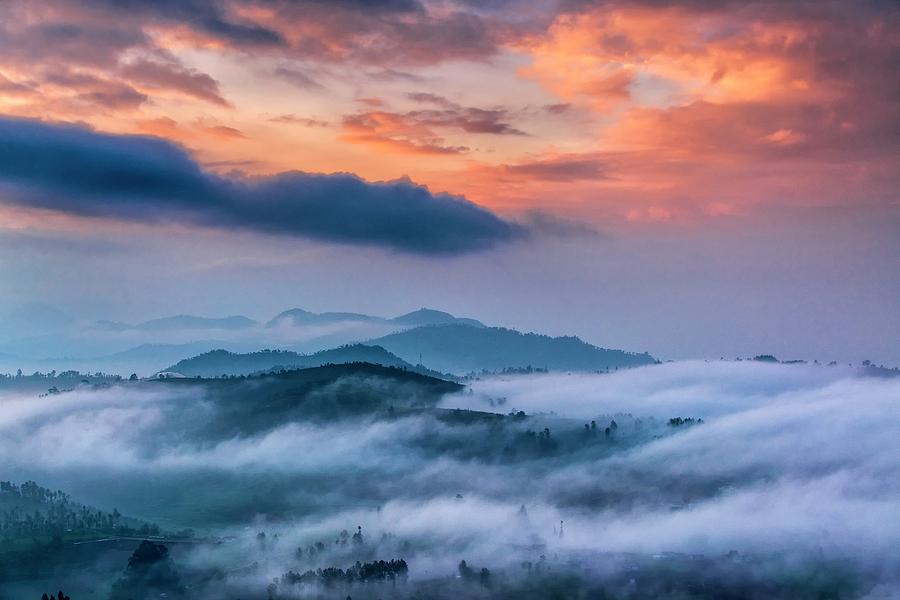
<point>232,345</point>
<point>295,316</point>
<point>427,316</point>
<point>222,362</point>
<point>417,318</point>
<point>179,322</point>
<point>461,349</point>
<point>299,317</point>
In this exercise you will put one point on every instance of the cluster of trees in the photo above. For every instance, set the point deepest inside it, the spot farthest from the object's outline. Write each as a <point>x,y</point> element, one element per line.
<point>150,574</point>
<point>526,370</point>
<point>59,596</point>
<point>31,510</point>
<point>375,571</point>
<point>467,573</point>
<point>679,421</point>
<point>542,440</point>
<point>342,540</point>
<point>70,374</point>
<point>609,430</point>
<point>55,383</point>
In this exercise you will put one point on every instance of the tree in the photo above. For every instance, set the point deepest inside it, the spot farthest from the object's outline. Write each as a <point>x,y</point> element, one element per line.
<point>150,573</point>
<point>464,570</point>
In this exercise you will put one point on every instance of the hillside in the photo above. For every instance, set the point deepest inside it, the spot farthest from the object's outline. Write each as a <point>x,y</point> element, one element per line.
<point>463,349</point>
<point>427,316</point>
<point>244,406</point>
<point>221,362</point>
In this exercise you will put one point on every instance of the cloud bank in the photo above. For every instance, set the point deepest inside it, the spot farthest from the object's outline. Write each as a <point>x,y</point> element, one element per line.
<point>790,459</point>
<point>81,172</point>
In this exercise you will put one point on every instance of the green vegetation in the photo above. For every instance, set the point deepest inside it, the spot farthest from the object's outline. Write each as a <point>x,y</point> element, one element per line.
<point>39,527</point>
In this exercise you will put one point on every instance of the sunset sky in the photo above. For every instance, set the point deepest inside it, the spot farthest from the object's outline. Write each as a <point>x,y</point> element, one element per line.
<point>687,178</point>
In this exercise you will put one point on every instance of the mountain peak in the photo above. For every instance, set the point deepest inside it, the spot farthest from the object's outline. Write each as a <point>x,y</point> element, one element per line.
<point>430,316</point>
<point>299,316</point>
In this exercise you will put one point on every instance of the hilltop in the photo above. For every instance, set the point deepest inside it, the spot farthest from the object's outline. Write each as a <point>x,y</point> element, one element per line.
<point>247,405</point>
<point>216,363</point>
<point>457,348</point>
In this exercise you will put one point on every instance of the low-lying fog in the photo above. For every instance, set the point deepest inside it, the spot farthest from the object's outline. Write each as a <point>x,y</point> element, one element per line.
<point>797,462</point>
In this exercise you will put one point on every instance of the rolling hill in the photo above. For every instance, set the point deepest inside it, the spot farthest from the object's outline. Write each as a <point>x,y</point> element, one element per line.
<point>462,349</point>
<point>299,317</point>
<point>244,406</point>
<point>221,362</point>
<point>427,316</point>
<point>418,318</point>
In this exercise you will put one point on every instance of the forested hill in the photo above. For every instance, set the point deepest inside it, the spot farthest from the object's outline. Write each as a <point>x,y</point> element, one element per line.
<point>248,405</point>
<point>31,510</point>
<point>462,349</point>
<point>221,362</point>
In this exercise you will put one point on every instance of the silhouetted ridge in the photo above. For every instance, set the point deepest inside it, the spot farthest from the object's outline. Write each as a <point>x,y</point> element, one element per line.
<point>216,363</point>
<point>248,405</point>
<point>427,316</point>
<point>300,317</point>
<point>461,349</point>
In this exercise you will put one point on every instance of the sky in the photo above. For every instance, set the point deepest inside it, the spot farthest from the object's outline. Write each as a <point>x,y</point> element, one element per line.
<point>692,179</point>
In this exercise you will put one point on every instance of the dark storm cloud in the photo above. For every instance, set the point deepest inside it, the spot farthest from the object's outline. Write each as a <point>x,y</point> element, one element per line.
<point>81,172</point>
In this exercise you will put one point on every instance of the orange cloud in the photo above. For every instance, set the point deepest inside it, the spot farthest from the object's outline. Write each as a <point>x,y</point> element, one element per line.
<point>703,110</point>
<point>392,132</point>
<point>620,107</point>
<point>223,132</point>
<point>614,56</point>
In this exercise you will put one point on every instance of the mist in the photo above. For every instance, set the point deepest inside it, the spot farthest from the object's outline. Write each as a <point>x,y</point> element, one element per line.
<point>791,465</point>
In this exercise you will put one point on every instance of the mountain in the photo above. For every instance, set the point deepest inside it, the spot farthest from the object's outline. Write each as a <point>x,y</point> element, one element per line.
<point>299,317</point>
<point>332,329</point>
<point>222,362</point>
<point>243,406</point>
<point>426,316</point>
<point>464,348</point>
<point>418,318</point>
